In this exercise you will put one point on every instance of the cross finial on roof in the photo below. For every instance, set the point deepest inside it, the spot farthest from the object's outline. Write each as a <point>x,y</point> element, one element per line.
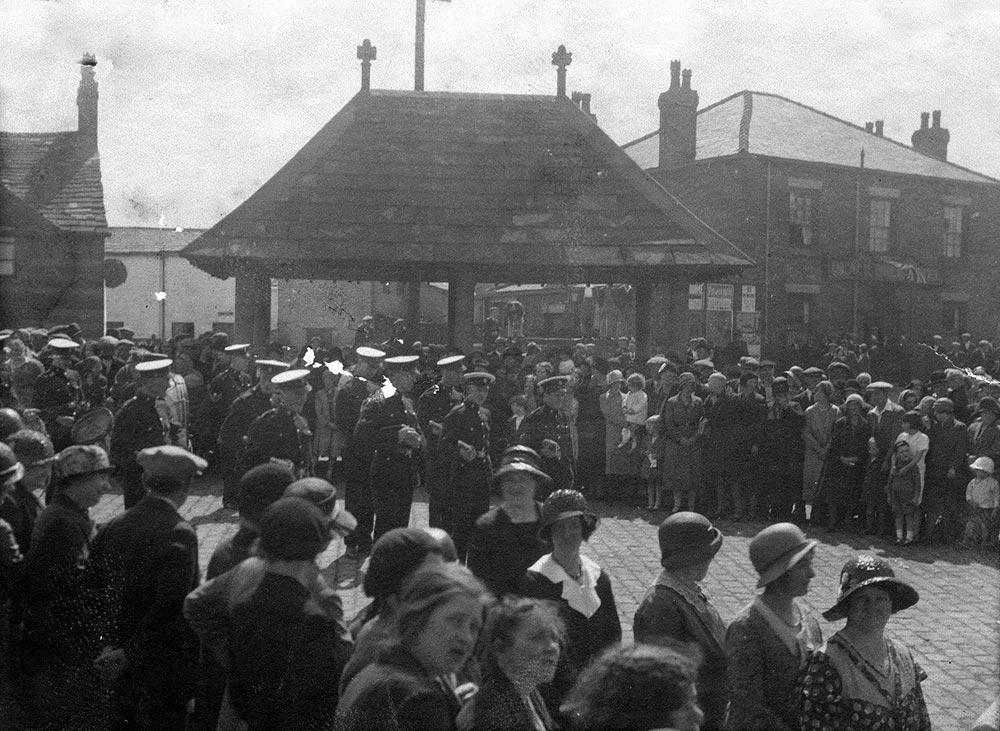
<point>367,54</point>
<point>561,59</point>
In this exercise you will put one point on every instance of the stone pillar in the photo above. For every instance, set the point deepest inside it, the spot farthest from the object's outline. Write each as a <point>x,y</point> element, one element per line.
<point>244,308</point>
<point>461,310</point>
<point>643,312</point>
<point>411,308</point>
<point>261,332</point>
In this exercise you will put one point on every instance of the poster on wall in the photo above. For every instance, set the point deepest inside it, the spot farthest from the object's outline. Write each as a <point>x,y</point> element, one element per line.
<point>748,325</point>
<point>748,298</point>
<point>696,297</point>
<point>719,297</point>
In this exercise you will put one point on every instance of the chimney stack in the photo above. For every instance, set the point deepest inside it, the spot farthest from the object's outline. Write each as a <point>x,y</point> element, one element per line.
<point>86,99</point>
<point>879,125</point>
<point>678,119</point>
<point>931,140</point>
<point>869,126</point>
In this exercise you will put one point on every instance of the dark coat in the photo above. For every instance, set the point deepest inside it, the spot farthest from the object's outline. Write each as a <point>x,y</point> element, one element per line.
<point>283,659</point>
<point>501,551</point>
<point>498,706</point>
<point>396,694</point>
<point>762,673</point>
<point>664,616</point>
<point>137,426</point>
<point>147,561</point>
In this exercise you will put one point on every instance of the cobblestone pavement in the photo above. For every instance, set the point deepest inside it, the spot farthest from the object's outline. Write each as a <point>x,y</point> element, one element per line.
<point>953,630</point>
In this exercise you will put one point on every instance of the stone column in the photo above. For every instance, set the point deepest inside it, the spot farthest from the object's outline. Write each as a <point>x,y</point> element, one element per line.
<point>461,310</point>
<point>643,312</point>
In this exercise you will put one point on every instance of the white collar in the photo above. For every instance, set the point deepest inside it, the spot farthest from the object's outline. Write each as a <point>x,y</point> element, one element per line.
<point>580,595</point>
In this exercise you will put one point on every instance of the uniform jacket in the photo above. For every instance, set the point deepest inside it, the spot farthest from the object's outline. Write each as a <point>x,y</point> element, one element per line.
<point>245,408</point>
<point>281,434</point>
<point>137,426</point>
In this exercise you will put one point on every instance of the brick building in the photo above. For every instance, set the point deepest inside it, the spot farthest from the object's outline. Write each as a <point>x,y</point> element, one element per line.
<point>851,231</point>
<point>52,222</point>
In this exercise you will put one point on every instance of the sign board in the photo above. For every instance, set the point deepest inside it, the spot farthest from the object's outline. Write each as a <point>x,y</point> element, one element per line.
<point>696,297</point>
<point>719,297</point>
<point>748,299</point>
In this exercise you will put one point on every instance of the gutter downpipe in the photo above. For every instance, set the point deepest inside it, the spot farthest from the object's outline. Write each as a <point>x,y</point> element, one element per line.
<point>765,320</point>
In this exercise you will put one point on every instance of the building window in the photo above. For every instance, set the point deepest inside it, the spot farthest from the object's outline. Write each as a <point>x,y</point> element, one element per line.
<point>6,256</point>
<point>880,225</point>
<point>799,309</point>
<point>182,329</point>
<point>952,231</point>
<point>801,227</point>
<point>954,316</point>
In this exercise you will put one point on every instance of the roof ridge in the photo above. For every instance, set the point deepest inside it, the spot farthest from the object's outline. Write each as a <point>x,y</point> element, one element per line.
<point>858,127</point>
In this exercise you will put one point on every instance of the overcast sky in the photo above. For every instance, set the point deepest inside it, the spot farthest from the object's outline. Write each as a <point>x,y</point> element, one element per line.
<point>201,101</point>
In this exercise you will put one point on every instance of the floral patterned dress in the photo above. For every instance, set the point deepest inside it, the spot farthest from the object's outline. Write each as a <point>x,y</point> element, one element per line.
<point>840,689</point>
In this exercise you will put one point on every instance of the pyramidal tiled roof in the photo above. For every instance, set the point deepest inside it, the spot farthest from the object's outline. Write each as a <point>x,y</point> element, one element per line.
<point>56,173</point>
<point>773,126</point>
<point>425,181</point>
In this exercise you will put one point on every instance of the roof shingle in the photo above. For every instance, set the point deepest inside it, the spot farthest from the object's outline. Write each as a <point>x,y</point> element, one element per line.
<point>782,128</point>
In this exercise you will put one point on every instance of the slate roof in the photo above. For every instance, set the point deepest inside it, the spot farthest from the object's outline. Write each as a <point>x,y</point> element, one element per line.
<point>148,240</point>
<point>773,126</point>
<point>58,174</point>
<point>419,185</point>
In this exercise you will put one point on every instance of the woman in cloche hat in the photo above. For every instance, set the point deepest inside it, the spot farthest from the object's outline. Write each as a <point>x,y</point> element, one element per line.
<point>860,679</point>
<point>675,611</point>
<point>579,587</point>
<point>768,642</point>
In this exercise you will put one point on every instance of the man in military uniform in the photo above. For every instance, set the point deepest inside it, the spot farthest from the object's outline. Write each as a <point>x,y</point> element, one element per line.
<point>509,383</point>
<point>434,405</point>
<point>245,409</point>
<point>57,393</point>
<point>547,431</point>
<point>465,444</point>
<point>351,394</point>
<point>282,432</point>
<point>138,425</point>
<point>227,384</point>
<point>389,437</point>
<point>148,560</point>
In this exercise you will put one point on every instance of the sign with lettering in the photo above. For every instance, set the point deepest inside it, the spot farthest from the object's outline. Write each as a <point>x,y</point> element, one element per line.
<point>748,299</point>
<point>696,297</point>
<point>719,297</point>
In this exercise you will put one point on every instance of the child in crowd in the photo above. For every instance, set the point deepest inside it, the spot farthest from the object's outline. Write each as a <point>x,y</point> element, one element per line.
<point>904,492</point>
<point>650,469</point>
<point>635,406</point>
<point>983,498</point>
<point>913,422</point>
<point>872,491</point>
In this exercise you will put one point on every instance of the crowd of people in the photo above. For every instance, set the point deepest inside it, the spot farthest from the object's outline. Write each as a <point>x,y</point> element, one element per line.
<point>493,616</point>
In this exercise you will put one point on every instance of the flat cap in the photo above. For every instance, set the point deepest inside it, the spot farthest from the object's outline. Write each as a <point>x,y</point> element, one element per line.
<point>238,348</point>
<point>656,360</point>
<point>370,353</point>
<point>33,448</point>
<point>880,385</point>
<point>704,363</point>
<point>748,361</point>
<point>6,333</point>
<point>170,461</point>
<point>813,371</point>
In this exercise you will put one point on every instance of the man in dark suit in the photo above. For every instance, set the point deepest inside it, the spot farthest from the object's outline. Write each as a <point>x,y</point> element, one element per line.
<point>146,560</point>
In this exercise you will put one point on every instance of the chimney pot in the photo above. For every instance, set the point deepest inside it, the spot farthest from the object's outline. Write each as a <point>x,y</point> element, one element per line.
<point>86,99</point>
<point>936,118</point>
<point>675,74</point>
<point>924,117</point>
<point>869,126</point>
<point>585,102</point>
<point>678,119</point>
<point>879,124</point>
<point>686,79</point>
<point>931,141</point>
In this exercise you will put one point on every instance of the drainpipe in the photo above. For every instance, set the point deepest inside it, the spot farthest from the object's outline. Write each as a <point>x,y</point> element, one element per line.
<point>764,335</point>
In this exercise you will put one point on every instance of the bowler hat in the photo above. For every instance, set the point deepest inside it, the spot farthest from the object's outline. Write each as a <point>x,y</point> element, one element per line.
<point>687,538</point>
<point>293,529</point>
<point>566,504</point>
<point>868,570</point>
<point>776,549</point>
